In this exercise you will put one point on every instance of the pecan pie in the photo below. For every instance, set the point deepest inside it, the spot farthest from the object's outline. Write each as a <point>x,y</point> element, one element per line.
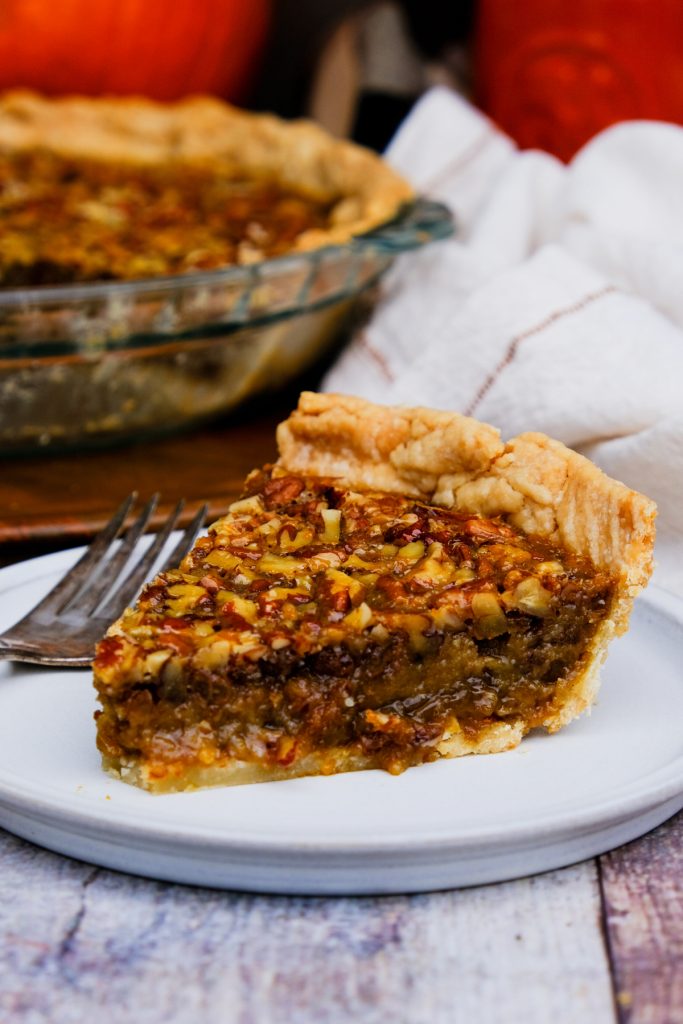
<point>97,189</point>
<point>400,587</point>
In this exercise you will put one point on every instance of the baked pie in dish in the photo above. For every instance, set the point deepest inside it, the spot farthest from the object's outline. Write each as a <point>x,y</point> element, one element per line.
<point>400,587</point>
<point>121,189</point>
<point>162,263</point>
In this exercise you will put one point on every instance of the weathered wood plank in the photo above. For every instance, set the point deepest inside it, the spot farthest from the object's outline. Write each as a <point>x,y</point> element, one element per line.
<point>82,944</point>
<point>643,894</point>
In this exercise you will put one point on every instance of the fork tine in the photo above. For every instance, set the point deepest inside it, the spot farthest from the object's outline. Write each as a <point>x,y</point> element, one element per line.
<point>54,638</point>
<point>94,592</point>
<point>186,541</point>
<point>72,582</point>
<point>124,594</point>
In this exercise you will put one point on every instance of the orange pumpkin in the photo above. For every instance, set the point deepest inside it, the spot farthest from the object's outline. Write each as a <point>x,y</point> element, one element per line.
<point>160,48</point>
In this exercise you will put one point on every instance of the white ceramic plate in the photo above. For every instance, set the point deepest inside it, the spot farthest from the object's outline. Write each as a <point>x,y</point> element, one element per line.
<point>602,781</point>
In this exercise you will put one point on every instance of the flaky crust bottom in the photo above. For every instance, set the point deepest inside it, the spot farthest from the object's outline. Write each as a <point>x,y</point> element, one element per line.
<point>491,739</point>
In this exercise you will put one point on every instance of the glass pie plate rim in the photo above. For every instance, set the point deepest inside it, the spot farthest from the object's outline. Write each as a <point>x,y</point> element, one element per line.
<point>299,275</point>
<point>89,365</point>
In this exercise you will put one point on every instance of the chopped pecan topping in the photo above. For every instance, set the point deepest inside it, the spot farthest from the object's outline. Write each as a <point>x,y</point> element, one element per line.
<point>282,490</point>
<point>312,616</point>
<point>68,220</point>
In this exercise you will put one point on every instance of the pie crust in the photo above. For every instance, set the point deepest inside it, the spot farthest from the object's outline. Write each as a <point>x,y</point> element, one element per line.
<point>533,482</point>
<point>361,458</point>
<point>205,131</point>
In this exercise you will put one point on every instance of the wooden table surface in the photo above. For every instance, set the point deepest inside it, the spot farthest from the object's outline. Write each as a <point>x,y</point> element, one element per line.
<point>596,943</point>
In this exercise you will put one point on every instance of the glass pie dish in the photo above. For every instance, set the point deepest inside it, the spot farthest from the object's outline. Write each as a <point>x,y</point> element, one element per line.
<point>89,364</point>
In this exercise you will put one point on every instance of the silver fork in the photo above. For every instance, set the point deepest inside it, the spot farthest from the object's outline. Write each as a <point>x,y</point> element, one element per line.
<point>65,626</point>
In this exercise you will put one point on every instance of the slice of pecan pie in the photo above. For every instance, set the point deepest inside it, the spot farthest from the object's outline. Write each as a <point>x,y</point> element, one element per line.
<point>400,587</point>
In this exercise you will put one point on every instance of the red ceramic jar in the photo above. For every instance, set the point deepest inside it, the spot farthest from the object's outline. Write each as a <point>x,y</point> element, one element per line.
<point>552,73</point>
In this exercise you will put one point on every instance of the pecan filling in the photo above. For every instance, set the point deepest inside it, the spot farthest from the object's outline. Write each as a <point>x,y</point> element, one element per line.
<point>314,618</point>
<point>65,220</point>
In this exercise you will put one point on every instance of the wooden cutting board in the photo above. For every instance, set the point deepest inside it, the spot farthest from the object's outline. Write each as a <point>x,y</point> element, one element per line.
<point>53,498</point>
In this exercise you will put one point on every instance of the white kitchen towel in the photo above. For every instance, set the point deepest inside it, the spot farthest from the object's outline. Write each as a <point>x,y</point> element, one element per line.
<point>557,307</point>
